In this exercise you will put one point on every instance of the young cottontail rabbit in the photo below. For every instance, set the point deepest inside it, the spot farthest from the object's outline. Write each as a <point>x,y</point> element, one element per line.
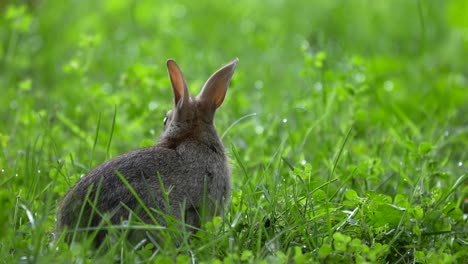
<point>189,160</point>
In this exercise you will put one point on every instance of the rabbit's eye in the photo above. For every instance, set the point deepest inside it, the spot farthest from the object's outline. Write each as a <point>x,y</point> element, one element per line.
<point>167,118</point>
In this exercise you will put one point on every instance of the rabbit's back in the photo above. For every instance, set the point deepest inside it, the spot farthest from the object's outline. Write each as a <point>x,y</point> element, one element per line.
<point>187,176</point>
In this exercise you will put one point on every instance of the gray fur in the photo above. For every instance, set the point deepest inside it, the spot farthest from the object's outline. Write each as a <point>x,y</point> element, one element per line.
<point>189,158</point>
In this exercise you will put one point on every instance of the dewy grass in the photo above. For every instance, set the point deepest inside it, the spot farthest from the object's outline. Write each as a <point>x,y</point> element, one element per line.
<point>306,187</point>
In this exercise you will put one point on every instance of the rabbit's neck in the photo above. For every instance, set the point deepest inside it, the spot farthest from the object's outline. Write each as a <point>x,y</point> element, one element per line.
<point>208,140</point>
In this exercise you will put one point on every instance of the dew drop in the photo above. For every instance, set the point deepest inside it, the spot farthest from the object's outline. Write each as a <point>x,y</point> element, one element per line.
<point>304,45</point>
<point>39,171</point>
<point>74,64</point>
<point>318,86</point>
<point>107,88</point>
<point>359,77</point>
<point>13,104</point>
<point>460,164</point>
<point>152,105</point>
<point>388,86</point>
<point>303,162</point>
<point>3,170</point>
<point>259,130</point>
<point>16,174</point>
<point>285,120</point>
<point>258,84</point>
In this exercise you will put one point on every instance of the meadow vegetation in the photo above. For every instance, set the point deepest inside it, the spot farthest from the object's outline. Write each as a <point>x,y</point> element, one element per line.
<point>346,124</point>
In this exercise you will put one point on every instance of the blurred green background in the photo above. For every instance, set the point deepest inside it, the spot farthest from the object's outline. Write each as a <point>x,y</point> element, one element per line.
<point>77,59</point>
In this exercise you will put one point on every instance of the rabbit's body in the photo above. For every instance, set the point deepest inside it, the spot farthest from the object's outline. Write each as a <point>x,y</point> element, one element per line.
<point>189,159</point>
<point>142,169</point>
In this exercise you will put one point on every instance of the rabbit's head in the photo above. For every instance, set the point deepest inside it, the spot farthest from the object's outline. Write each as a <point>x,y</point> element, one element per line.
<point>191,117</point>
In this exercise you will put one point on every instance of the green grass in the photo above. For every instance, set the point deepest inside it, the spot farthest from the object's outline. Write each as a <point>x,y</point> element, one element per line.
<point>346,123</point>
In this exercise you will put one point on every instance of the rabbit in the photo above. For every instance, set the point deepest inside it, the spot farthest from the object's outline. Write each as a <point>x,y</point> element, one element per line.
<point>188,159</point>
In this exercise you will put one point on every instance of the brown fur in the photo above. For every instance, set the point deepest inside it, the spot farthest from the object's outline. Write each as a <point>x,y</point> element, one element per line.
<point>189,159</point>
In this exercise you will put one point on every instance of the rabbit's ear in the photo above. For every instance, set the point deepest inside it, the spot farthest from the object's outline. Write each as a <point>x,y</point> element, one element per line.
<point>215,88</point>
<point>179,85</point>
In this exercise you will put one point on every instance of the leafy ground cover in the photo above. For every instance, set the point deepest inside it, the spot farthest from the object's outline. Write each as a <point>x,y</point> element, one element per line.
<point>346,124</point>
